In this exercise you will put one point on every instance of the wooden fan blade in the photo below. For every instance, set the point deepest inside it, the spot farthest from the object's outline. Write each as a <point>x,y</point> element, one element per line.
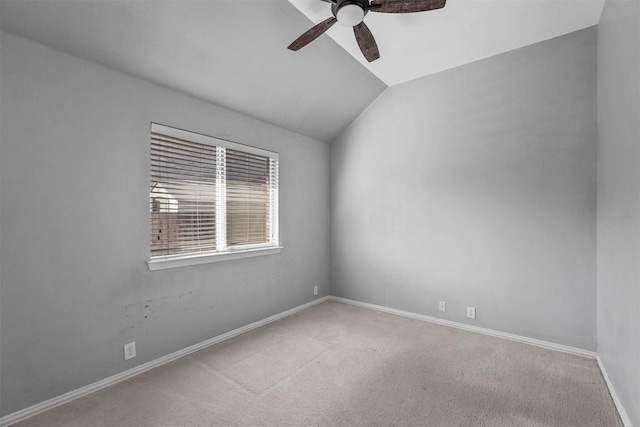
<point>366,42</point>
<point>405,6</point>
<point>312,34</point>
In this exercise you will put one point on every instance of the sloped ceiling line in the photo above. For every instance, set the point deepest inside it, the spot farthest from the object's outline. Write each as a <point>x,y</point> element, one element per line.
<point>418,44</point>
<point>233,53</point>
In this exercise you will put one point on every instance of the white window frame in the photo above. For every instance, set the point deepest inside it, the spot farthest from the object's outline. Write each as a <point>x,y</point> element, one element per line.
<point>223,253</point>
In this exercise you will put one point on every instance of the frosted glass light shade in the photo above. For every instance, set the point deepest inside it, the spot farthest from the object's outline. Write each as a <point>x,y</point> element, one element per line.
<point>350,15</point>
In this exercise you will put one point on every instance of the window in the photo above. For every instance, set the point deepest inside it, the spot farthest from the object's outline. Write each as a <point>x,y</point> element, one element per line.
<point>210,199</point>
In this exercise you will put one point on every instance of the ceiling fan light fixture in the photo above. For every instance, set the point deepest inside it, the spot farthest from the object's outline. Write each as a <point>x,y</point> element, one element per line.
<point>350,15</point>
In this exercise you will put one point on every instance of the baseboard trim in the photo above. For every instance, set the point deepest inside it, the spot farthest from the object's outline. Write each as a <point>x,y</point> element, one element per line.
<point>532,341</point>
<point>38,408</point>
<point>621,411</point>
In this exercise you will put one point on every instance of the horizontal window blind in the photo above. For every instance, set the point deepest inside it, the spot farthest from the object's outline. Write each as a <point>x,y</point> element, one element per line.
<point>183,196</point>
<point>247,198</point>
<point>208,197</point>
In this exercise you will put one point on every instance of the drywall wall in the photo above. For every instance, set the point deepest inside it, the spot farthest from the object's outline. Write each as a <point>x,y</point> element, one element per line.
<point>477,186</point>
<point>619,200</point>
<point>75,226</point>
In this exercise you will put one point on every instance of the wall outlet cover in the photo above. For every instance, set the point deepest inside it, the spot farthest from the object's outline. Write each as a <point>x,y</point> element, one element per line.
<point>442,306</point>
<point>130,350</point>
<point>471,312</point>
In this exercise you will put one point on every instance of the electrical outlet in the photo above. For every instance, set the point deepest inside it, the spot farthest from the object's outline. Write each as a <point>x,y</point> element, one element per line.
<point>315,290</point>
<point>471,312</point>
<point>130,350</point>
<point>442,306</point>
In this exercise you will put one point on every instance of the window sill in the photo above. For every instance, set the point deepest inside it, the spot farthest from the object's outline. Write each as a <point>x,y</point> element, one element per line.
<point>161,263</point>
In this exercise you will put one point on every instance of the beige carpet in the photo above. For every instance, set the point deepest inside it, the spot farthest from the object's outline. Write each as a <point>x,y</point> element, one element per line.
<point>336,364</point>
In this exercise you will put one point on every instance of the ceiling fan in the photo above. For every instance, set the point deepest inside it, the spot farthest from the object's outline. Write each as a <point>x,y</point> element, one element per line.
<point>351,13</point>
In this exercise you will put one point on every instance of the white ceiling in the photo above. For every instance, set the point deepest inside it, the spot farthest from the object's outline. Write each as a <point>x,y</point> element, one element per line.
<point>228,52</point>
<point>417,44</point>
<point>233,52</point>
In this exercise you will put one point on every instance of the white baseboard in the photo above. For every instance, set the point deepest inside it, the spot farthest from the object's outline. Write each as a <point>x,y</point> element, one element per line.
<point>621,411</point>
<point>539,343</point>
<point>512,337</point>
<point>38,408</point>
<point>31,411</point>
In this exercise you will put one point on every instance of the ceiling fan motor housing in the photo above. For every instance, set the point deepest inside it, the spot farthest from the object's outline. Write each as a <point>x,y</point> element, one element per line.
<point>350,12</point>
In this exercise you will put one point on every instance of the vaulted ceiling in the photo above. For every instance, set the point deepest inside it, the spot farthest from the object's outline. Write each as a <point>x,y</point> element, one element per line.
<point>417,44</point>
<point>233,52</point>
<point>229,52</point>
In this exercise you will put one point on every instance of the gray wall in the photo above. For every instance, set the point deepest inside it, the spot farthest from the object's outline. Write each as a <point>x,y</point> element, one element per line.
<point>619,199</point>
<point>477,186</point>
<point>75,224</point>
